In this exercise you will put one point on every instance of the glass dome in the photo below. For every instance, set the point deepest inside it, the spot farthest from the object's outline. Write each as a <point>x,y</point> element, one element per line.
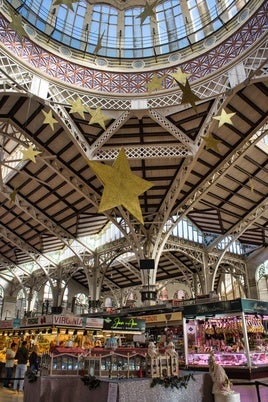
<point>128,29</point>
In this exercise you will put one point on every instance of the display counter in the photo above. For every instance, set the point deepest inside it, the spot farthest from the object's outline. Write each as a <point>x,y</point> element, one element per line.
<point>234,331</point>
<point>64,388</point>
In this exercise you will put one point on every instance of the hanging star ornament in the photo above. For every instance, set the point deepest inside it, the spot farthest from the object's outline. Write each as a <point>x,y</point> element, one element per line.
<point>13,195</point>
<point>99,44</point>
<point>30,154</point>
<point>17,25</point>
<point>180,76</point>
<point>78,107</point>
<point>251,184</point>
<point>187,95</point>
<point>148,11</point>
<point>68,3</point>
<point>224,118</point>
<point>97,117</point>
<point>121,186</point>
<point>49,119</point>
<point>155,83</point>
<point>211,142</point>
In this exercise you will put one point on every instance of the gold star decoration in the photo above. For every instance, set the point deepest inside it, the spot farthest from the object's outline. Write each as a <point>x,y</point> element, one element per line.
<point>17,25</point>
<point>99,44</point>
<point>251,183</point>
<point>148,11</point>
<point>30,154</point>
<point>211,142</point>
<point>13,195</point>
<point>180,77</point>
<point>155,83</point>
<point>97,117</point>
<point>49,119</point>
<point>68,3</point>
<point>121,186</point>
<point>78,107</point>
<point>224,118</point>
<point>187,95</point>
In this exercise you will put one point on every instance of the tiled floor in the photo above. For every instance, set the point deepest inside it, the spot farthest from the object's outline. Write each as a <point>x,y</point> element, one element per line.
<point>8,395</point>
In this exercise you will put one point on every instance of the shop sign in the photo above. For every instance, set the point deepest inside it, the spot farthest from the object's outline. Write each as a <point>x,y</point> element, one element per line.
<point>37,321</point>
<point>68,320</point>
<point>16,323</point>
<point>169,317</point>
<point>254,306</point>
<point>94,323</point>
<point>123,324</point>
<point>6,324</point>
<point>229,306</point>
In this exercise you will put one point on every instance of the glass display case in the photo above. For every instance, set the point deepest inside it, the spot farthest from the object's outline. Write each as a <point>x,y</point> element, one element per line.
<point>115,365</point>
<point>235,331</point>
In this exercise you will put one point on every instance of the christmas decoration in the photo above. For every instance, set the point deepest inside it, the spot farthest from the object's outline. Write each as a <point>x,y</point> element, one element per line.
<point>180,77</point>
<point>13,195</point>
<point>99,44</point>
<point>155,83</point>
<point>187,95</point>
<point>31,375</point>
<point>68,3</point>
<point>91,381</point>
<point>148,11</point>
<point>224,118</point>
<point>17,25</point>
<point>252,187</point>
<point>121,186</point>
<point>173,382</point>
<point>97,117</point>
<point>78,107</point>
<point>30,154</point>
<point>49,119</point>
<point>211,142</point>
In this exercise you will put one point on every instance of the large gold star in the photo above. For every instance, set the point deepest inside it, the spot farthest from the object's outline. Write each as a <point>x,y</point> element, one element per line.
<point>211,142</point>
<point>30,154</point>
<point>187,95</point>
<point>180,77</point>
<point>13,195</point>
<point>224,118</point>
<point>155,83</point>
<point>148,11</point>
<point>17,25</point>
<point>99,44</point>
<point>49,119</point>
<point>97,117</point>
<point>78,107</point>
<point>121,186</point>
<point>251,184</point>
<point>68,3</point>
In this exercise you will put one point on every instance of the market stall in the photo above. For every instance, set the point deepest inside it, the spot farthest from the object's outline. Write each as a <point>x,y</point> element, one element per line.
<point>235,331</point>
<point>63,389</point>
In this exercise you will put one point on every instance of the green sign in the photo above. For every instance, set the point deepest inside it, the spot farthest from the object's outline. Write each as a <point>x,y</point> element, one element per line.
<point>123,324</point>
<point>225,307</point>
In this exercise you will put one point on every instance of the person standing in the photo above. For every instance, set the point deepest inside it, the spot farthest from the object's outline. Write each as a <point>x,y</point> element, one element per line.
<point>10,357</point>
<point>22,356</point>
<point>34,359</point>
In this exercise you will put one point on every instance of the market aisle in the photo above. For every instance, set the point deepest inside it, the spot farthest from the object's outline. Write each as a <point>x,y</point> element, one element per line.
<point>8,395</point>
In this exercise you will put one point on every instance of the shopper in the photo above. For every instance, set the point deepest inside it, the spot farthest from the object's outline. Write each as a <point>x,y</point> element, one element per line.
<point>10,357</point>
<point>22,356</point>
<point>34,359</point>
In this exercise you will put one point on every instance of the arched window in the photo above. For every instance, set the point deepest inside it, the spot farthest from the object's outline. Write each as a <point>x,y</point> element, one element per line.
<point>1,299</point>
<point>80,304</point>
<point>48,295</point>
<point>262,281</point>
<point>21,304</point>
<point>231,287</point>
